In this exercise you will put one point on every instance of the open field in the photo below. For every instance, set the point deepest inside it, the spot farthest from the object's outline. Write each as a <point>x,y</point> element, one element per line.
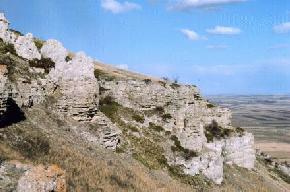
<point>267,117</point>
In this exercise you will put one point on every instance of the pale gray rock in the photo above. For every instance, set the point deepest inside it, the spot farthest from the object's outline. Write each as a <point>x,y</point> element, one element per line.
<point>284,169</point>
<point>54,50</point>
<point>4,89</point>
<point>25,47</point>
<point>240,151</point>
<point>6,35</point>
<point>78,98</point>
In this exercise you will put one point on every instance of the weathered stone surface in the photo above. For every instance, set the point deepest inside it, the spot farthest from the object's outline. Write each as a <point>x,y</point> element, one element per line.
<point>4,90</point>
<point>178,109</point>
<point>5,34</point>
<point>240,151</point>
<point>284,169</point>
<point>16,176</point>
<point>189,112</point>
<point>42,179</point>
<point>25,47</point>
<point>54,49</point>
<point>78,98</point>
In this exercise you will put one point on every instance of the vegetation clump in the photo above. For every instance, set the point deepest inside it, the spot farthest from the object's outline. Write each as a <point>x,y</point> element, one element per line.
<point>186,153</point>
<point>155,127</point>
<point>210,105</point>
<point>147,81</point>
<point>174,85</point>
<point>196,181</point>
<point>166,116</point>
<point>138,118</point>
<point>109,107</point>
<point>197,97</point>
<point>213,130</point>
<point>6,48</point>
<point>68,58</point>
<point>148,153</point>
<point>162,83</point>
<point>17,33</point>
<point>38,43</point>
<point>43,63</point>
<point>99,74</point>
<point>159,109</point>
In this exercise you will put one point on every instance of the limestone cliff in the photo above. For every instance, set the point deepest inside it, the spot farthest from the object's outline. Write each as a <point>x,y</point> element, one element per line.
<point>160,123</point>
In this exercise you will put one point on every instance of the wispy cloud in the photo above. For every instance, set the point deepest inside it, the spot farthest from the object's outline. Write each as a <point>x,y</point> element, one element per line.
<point>190,4</point>
<point>191,35</point>
<point>116,7</point>
<point>217,46</point>
<point>282,28</point>
<point>222,30</point>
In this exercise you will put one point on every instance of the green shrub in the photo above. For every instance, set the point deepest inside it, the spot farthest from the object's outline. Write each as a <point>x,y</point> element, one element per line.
<point>162,83</point>
<point>166,116</point>
<point>99,74</point>
<point>147,81</point>
<point>68,58</point>
<point>213,130</point>
<point>44,63</point>
<point>159,109</point>
<point>148,153</point>
<point>197,97</point>
<point>17,33</point>
<point>194,181</point>
<point>186,153</point>
<point>138,118</point>
<point>174,85</point>
<point>240,131</point>
<point>109,107</point>
<point>38,43</point>
<point>7,48</point>
<point>132,128</point>
<point>155,127</point>
<point>210,105</point>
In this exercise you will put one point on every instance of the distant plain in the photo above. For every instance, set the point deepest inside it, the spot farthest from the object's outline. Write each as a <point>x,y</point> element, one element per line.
<point>267,117</point>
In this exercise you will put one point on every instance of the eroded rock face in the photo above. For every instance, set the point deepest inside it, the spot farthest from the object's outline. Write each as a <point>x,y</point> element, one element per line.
<point>240,151</point>
<point>16,176</point>
<point>26,48</point>
<point>189,114</point>
<point>54,49</point>
<point>4,91</point>
<point>78,88</point>
<point>42,179</point>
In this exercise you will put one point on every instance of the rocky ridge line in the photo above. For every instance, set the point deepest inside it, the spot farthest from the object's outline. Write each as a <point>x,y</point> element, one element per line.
<point>74,91</point>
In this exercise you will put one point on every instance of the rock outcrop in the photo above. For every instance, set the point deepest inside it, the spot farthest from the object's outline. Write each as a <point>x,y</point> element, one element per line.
<point>190,132</point>
<point>29,178</point>
<point>185,114</point>
<point>4,89</point>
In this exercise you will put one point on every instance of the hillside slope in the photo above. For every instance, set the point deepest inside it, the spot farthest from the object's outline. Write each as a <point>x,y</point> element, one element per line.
<point>114,130</point>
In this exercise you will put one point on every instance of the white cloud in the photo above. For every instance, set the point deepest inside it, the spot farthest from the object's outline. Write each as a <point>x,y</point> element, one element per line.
<point>191,35</point>
<point>116,7</point>
<point>282,28</point>
<point>190,4</point>
<point>123,66</point>
<point>217,47</point>
<point>221,30</point>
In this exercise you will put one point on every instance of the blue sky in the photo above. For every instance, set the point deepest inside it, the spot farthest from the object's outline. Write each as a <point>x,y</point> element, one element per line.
<point>223,46</point>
